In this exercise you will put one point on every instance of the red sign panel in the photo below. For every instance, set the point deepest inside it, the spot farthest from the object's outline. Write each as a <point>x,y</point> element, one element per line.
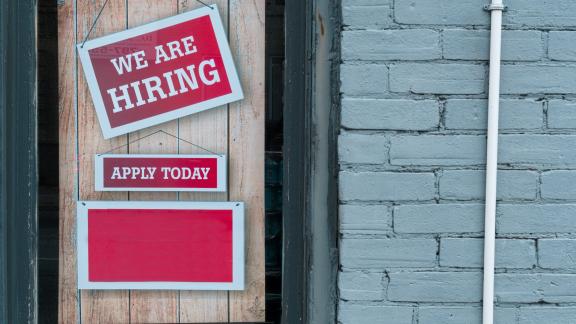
<point>160,245</point>
<point>160,172</point>
<point>160,71</point>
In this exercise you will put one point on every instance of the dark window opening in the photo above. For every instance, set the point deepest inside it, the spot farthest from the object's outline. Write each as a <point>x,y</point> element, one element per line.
<point>274,159</point>
<point>48,161</point>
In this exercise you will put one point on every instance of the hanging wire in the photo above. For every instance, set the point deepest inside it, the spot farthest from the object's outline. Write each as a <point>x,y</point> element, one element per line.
<point>158,131</point>
<point>102,9</point>
<point>206,5</point>
<point>154,133</point>
<point>94,24</point>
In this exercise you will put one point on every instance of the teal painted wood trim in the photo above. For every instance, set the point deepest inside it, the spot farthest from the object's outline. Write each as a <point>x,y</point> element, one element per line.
<point>18,170</point>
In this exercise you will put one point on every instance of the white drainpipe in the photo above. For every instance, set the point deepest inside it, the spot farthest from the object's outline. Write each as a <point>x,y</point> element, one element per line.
<point>496,8</point>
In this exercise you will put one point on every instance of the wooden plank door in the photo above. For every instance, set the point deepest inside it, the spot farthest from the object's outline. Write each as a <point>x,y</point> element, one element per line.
<point>236,130</point>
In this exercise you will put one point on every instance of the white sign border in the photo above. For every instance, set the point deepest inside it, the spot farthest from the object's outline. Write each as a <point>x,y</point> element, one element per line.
<point>236,90</point>
<point>221,181</point>
<point>237,245</point>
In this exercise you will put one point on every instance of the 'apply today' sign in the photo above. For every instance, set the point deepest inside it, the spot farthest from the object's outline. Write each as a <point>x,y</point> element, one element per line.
<point>160,71</point>
<point>160,172</point>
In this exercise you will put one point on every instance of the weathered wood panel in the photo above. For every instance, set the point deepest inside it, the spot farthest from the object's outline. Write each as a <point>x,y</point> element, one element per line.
<point>153,306</point>
<point>210,131</point>
<point>246,145</point>
<point>67,292</point>
<point>97,306</point>
<point>236,130</point>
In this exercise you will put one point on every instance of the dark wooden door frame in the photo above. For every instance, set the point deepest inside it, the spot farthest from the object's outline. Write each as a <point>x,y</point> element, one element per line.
<point>296,150</point>
<point>311,102</point>
<point>18,174</point>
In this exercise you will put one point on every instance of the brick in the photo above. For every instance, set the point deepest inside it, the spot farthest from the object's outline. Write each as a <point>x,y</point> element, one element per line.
<point>437,150</point>
<point>392,44</point>
<point>439,218</point>
<point>557,253</point>
<point>361,80</point>
<point>435,287</point>
<point>558,184</point>
<point>373,17</point>
<point>365,219</point>
<point>547,314</point>
<point>361,286</point>
<point>528,218</point>
<point>360,148</point>
<point>470,184</point>
<point>468,252</point>
<point>548,150</point>
<point>562,45</point>
<point>436,78</point>
<point>463,315</point>
<point>533,288</point>
<point>473,114</point>
<point>517,45</point>
<point>534,13</point>
<point>387,186</point>
<point>362,314</point>
<point>390,114</point>
<point>369,253</point>
<point>548,79</point>
<point>440,12</point>
<point>538,13</point>
<point>561,114</point>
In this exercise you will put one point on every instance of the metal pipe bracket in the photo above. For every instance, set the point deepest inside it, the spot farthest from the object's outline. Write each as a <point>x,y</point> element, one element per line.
<point>490,7</point>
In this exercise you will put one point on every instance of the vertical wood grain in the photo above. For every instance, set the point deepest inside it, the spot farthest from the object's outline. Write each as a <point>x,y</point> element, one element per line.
<point>246,149</point>
<point>236,130</point>
<point>97,306</point>
<point>67,293</point>
<point>208,129</point>
<point>153,306</point>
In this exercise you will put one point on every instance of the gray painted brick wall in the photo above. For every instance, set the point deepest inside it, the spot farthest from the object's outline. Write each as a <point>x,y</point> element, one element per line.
<point>412,153</point>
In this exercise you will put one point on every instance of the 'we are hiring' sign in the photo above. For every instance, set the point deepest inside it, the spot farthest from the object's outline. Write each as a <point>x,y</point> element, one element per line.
<point>160,71</point>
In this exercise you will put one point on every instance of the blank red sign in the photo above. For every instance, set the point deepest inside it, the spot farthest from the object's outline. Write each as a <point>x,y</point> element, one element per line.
<point>160,172</point>
<point>160,245</point>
